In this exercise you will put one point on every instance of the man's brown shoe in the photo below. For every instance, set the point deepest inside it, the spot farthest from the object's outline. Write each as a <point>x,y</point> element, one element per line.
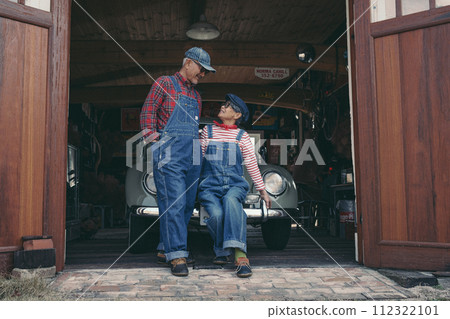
<point>179,267</point>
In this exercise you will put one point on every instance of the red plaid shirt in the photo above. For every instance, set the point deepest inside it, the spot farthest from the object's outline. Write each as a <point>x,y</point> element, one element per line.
<point>158,106</point>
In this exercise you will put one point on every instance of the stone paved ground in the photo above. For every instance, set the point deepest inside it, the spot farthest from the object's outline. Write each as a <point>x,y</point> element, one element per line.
<point>277,284</point>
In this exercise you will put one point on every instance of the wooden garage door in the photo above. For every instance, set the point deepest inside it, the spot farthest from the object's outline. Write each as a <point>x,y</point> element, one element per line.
<point>23,106</point>
<point>402,122</point>
<point>33,122</point>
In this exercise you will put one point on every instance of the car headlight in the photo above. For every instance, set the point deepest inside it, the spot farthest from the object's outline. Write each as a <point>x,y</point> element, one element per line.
<point>149,183</point>
<point>275,183</point>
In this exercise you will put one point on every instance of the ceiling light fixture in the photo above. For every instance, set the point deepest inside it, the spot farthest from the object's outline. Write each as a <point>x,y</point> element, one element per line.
<point>305,53</point>
<point>203,30</point>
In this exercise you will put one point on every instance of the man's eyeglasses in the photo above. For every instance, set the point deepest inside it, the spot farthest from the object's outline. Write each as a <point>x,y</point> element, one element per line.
<point>228,104</point>
<point>202,69</point>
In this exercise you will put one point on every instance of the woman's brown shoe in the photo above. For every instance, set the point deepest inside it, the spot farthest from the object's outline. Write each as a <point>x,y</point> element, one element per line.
<point>243,269</point>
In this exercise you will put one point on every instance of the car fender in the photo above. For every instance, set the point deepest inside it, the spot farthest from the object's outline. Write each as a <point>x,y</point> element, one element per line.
<point>288,199</point>
<point>135,192</point>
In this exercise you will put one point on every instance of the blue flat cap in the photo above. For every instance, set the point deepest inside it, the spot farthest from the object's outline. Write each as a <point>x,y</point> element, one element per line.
<point>240,104</point>
<point>201,56</point>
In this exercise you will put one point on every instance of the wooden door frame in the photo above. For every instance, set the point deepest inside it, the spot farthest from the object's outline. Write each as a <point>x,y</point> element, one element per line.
<point>354,114</point>
<point>57,124</point>
<point>57,21</point>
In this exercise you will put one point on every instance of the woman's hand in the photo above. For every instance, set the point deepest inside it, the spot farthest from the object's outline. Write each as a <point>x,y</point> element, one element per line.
<point>265,198</point>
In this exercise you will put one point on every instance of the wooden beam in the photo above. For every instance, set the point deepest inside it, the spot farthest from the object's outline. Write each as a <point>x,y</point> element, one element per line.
<point>56,129</point>
<point>419,20</point>
<point>135,95</point>
<point>107,76</point>
<point>255,94</point>
<point>132,94</point>
<point>223,53</point>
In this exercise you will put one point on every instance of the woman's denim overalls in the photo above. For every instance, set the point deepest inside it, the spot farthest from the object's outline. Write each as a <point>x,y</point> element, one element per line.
<point>176,175</point>
<point>222,190</point>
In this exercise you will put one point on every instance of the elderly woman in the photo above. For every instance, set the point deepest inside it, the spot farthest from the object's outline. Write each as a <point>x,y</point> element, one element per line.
<point>222,186</point>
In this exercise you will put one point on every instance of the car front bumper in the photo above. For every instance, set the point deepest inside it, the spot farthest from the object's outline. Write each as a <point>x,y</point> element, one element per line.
<point>254,215</point>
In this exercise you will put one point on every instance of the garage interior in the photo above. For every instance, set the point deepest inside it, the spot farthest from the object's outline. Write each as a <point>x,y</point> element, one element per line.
<point>256,58</point>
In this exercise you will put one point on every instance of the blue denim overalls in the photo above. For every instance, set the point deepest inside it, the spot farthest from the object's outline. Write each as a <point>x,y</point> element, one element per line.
<point>222,190</point>
<point>176,175</point>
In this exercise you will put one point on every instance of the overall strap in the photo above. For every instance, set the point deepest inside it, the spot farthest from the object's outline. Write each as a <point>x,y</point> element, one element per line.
<point>239,136</point>
<point>175,84</point>
<point>210,133</point>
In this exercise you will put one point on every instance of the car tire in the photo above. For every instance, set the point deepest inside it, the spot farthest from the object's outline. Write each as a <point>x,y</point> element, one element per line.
<point>149,241</point>
<point>276,233</point>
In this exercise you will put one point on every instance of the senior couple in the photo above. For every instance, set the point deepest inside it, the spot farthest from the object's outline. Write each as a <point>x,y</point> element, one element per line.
<point>172,109</point>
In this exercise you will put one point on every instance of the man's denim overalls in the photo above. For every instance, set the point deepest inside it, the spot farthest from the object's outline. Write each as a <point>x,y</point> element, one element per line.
<point>176,175</point>
<point>222,190</point>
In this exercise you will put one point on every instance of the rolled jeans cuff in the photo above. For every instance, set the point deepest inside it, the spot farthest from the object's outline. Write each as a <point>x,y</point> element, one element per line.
<point>235,244</point>
<point>176,254</point>
<point>222,252</point>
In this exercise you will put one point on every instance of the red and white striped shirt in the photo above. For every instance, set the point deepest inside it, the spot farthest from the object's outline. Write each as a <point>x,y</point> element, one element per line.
<point>245,144</point>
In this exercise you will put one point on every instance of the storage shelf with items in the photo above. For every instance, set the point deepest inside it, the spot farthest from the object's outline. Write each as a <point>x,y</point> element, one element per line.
<point>89,140</point>
<point>72,194</point>
<point>83,121</point>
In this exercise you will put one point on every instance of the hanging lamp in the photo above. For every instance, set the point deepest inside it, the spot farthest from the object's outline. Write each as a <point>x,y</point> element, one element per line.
<point>203,30</point>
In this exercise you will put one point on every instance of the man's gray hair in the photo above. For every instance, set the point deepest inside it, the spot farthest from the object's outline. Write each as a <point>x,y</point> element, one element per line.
<point>184,61</point>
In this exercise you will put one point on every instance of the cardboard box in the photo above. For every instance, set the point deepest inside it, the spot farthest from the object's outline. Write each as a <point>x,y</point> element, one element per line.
<point>34,244</point>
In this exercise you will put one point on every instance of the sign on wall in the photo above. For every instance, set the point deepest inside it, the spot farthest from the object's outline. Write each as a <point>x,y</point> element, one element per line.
<point>272,73</point>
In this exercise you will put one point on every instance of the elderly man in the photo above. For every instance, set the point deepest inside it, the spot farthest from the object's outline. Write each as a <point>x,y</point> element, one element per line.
<point>172,109</point>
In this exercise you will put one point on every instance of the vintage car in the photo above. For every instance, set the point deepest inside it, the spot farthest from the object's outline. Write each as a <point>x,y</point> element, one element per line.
<point>275,222</point>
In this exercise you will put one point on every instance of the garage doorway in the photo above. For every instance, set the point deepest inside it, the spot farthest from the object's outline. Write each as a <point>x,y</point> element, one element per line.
<point>107,91</point>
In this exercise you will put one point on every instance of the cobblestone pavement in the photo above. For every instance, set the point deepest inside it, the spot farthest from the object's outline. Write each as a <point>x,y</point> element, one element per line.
<point>274,284</point>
